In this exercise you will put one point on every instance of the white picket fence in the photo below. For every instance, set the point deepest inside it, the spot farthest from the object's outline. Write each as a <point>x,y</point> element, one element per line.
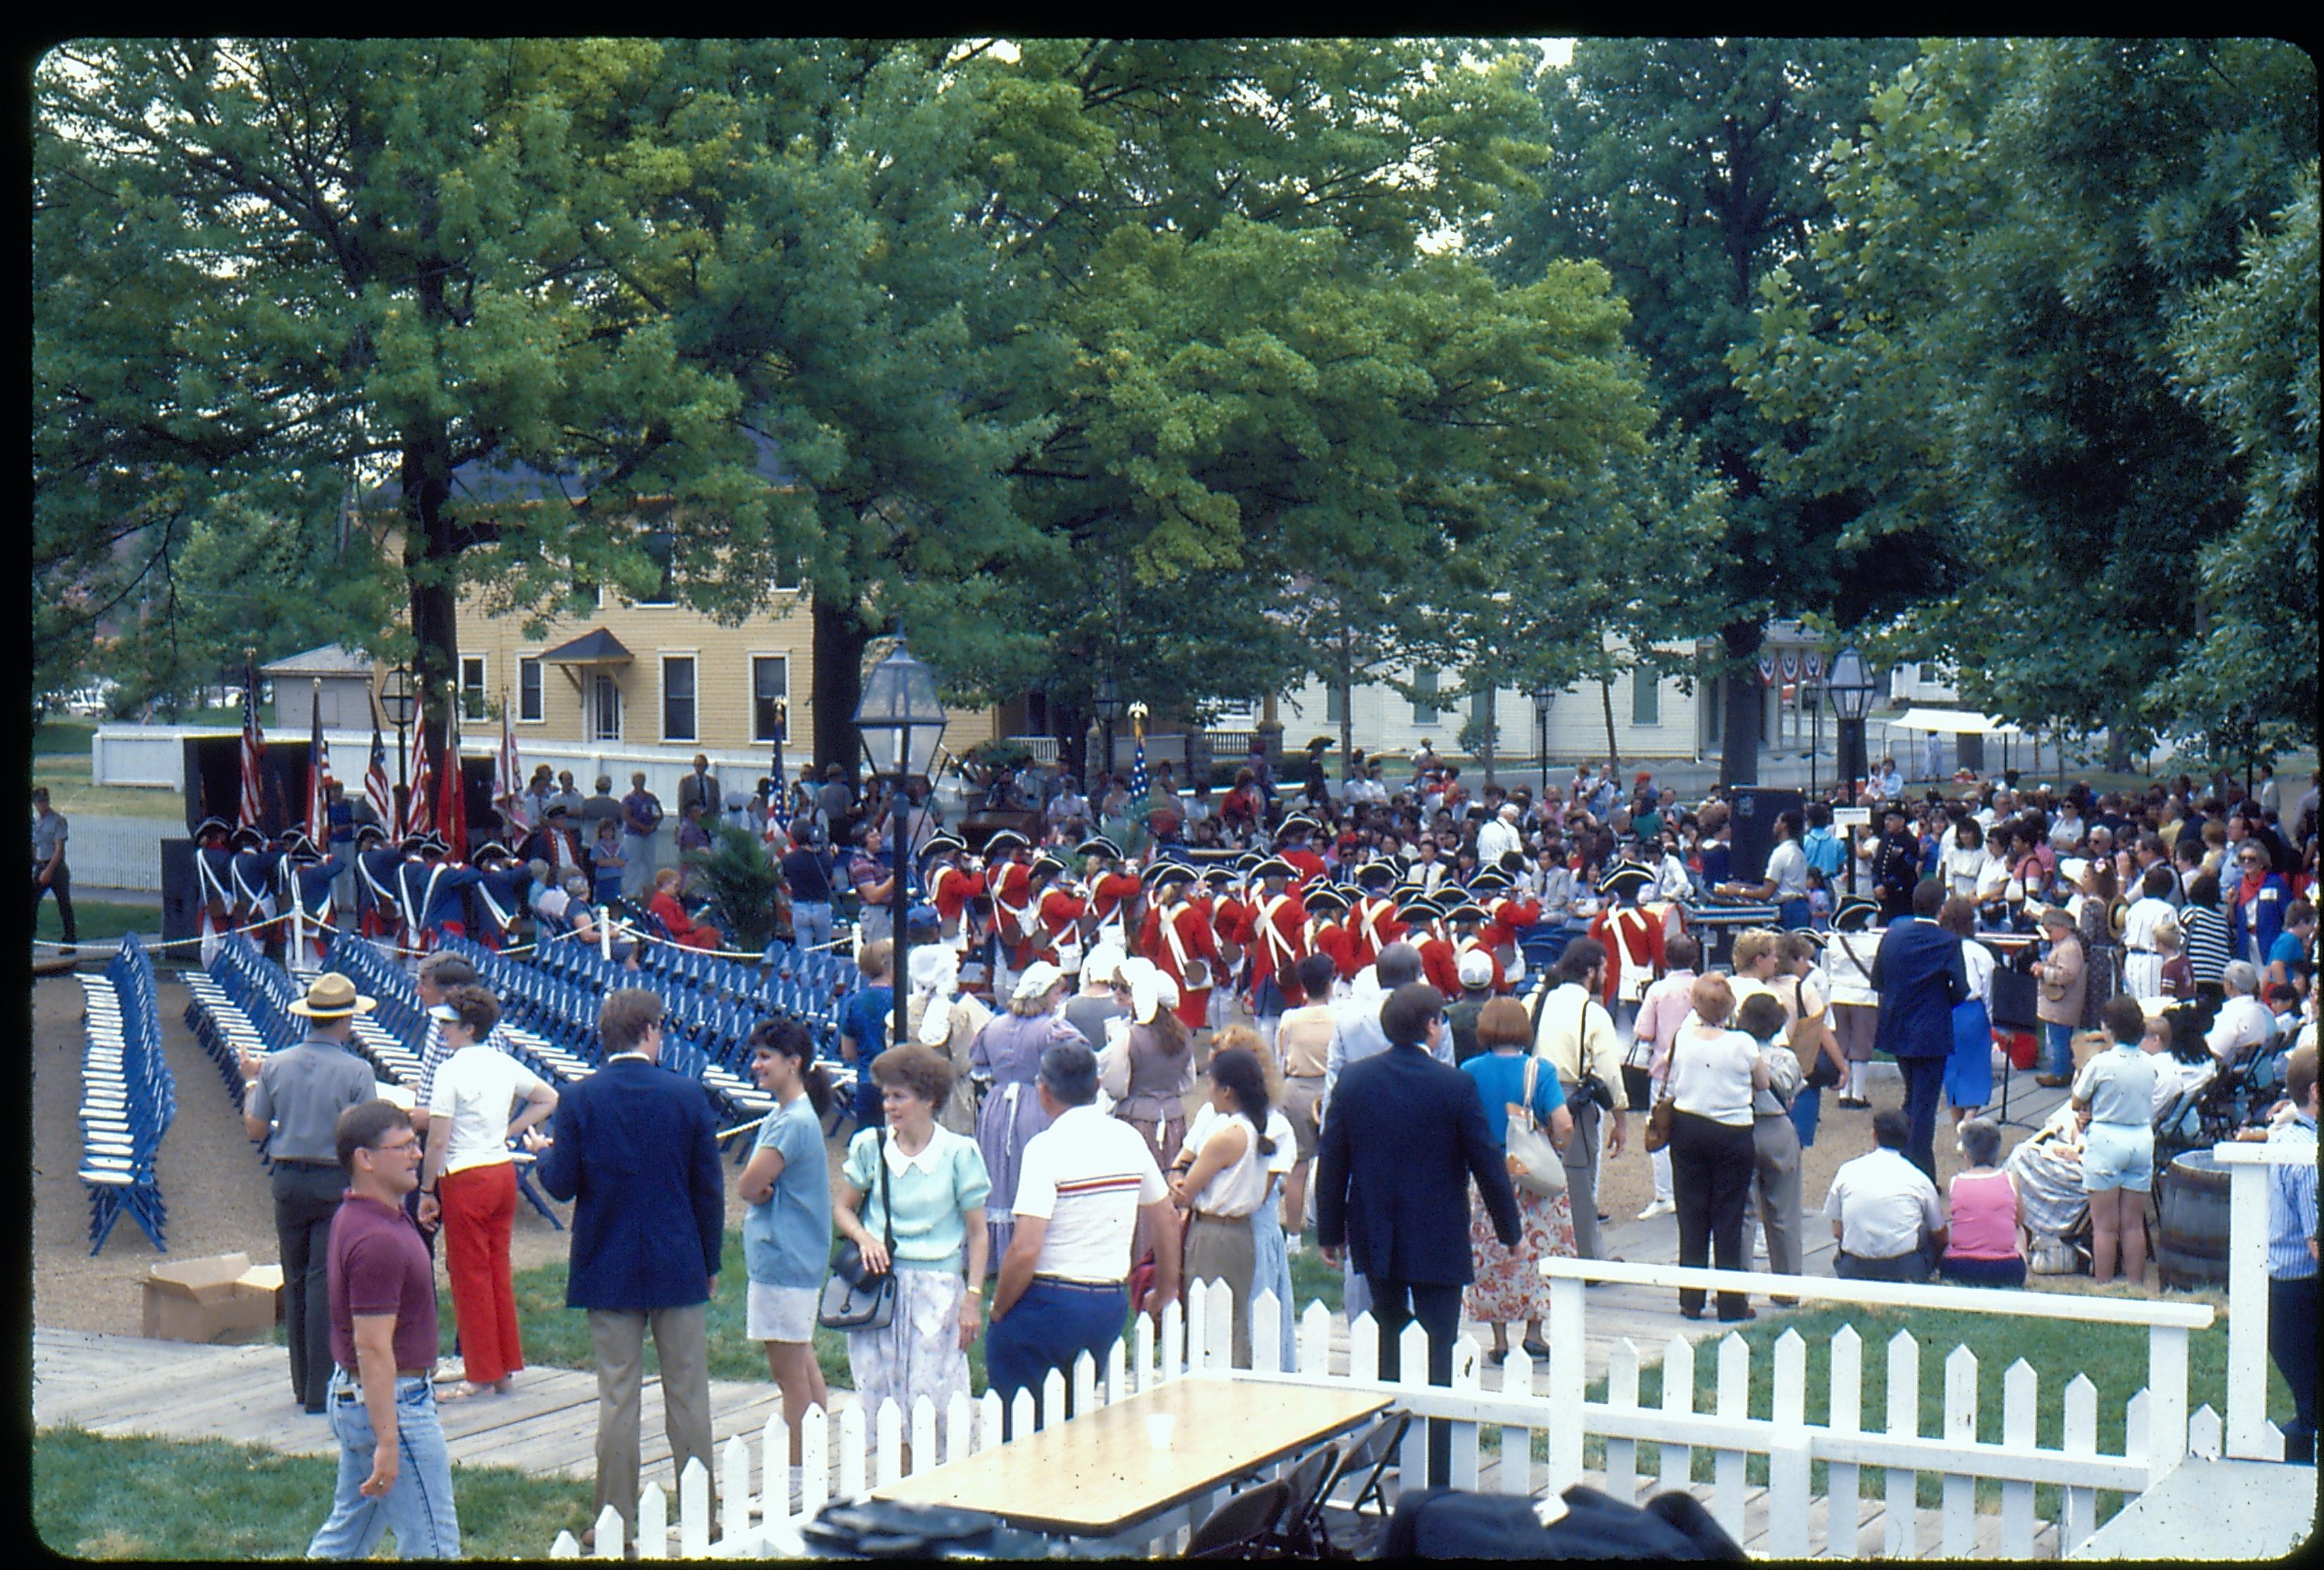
<point>1550,1402</point>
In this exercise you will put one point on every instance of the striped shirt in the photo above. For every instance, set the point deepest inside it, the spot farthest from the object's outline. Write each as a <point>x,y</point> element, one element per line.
<point>2291,1203</point>
<point>2207,941</point>
<point>1086,1175</point>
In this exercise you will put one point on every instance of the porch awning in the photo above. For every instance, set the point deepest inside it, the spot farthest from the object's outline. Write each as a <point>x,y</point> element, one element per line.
<point>1953,721</point>
<point>595,647</point>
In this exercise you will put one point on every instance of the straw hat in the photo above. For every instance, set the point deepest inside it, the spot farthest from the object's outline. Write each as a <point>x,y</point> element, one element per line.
<point>332,997</point>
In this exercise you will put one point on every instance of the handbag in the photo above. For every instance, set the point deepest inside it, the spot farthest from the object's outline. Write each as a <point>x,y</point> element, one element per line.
<point>854,1298</point>
<point>1534,1162</point>
<point>2015,999</point>
<point>1659,1125</point>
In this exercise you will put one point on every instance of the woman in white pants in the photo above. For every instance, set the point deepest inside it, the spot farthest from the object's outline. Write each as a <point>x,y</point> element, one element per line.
<point>1663,1010</point>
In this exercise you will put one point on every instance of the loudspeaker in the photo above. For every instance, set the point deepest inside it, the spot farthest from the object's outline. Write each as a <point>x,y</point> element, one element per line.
<point>1757,808</point>
<point>181,892</point>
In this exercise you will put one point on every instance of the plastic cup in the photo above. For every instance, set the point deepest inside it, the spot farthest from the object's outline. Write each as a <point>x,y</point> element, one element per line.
<point>1159,1428</point>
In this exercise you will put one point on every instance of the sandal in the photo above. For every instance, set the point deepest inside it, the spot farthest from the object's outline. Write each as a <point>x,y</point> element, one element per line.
<point>463,1392</point>
<point>1498,1356</point>
<point>1536,1349</point>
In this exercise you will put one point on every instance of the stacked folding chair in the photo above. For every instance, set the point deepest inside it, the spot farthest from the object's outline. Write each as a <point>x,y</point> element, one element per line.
<point>128,1098</point>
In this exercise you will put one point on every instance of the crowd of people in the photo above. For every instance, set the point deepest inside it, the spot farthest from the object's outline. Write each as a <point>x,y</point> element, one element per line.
<point>1360,1037</point>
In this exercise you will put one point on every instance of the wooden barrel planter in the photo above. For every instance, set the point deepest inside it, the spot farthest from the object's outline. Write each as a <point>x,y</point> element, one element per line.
<point>2192,1248</point>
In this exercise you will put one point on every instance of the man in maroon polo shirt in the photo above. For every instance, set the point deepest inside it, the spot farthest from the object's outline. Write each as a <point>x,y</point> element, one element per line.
<point>394,1470</point>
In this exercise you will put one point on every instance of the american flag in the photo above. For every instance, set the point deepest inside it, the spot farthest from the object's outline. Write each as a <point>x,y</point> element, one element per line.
<point>253,749</point>
<point>779,803</point>
<point>452,800</point>
<point>318,775</point>
<point>416,806</point>
<point>1141,785</point>
<point>508,787</point>
<point>377,787</point>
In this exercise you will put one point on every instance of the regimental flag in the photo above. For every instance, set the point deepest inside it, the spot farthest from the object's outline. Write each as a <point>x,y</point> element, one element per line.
<point>318,775</point>
<point>253,750</point>
<point>451,799</point>
<point>418,804</point>
<point>377,787</point>
<point>508,784</point>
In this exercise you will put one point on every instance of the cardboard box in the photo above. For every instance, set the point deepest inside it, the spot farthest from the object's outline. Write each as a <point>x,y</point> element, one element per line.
<point>204,1300</point>
<point>265,1281</point>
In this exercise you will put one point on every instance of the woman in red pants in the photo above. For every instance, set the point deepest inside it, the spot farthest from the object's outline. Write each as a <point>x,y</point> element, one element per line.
<point>469,1180</point>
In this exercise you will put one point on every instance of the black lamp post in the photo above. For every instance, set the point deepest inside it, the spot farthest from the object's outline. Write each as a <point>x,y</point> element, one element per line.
<point>398,698</point>
<point>1107,706</point>
<point>1814,694</point>
<point>901,721</point>
<point>1849,682</point>
<point>1543,697</point>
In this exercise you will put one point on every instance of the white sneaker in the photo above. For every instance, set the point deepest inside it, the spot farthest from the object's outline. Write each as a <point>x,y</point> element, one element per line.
<point>1659,1207</point>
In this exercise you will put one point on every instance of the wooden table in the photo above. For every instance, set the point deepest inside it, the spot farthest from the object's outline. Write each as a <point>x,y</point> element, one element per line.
<point>1097,1475</point>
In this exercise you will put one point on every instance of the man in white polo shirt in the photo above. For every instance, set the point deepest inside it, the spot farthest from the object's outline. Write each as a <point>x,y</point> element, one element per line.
<point>1884,1211</point>
<point>1081,1184</point>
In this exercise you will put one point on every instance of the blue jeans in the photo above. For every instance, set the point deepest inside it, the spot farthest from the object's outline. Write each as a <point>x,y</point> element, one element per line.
<point>1792,915</point>
<point>419,1504</point>
<point>1807,1111</point>
<point>1047,1327</point>
<point>810,923</point>
<point>2057,1049</point>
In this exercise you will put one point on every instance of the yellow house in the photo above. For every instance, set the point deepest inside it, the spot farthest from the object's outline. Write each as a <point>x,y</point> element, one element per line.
<point>633,679</point>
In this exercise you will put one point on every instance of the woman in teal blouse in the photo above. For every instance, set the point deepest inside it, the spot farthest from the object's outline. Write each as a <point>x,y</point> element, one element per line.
<point>1509,1286</point>
<point>936,1184</point>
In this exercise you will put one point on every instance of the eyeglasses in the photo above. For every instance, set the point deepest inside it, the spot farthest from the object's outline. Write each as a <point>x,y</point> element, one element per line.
<point>399,1147</point>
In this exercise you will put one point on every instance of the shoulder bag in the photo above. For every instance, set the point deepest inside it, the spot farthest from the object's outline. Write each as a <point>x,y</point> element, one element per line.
<point>854,1298</point>
<point>1534,1162</point>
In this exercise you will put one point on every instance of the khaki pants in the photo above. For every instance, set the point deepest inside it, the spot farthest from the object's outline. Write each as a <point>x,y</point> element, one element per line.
<point>1225,1251</point>
<point>1775,1190</point>
<point>617,1337</point>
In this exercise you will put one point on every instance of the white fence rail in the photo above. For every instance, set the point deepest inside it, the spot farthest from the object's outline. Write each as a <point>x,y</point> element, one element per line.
<point>1549,1402</point>
<point>119,853</point>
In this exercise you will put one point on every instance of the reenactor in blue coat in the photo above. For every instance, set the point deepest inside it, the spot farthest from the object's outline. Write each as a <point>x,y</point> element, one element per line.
<point>214,878</point>
<point>310,877</point>
<point>499,894</point>
<point>429,891</point>
<point>375,864</point>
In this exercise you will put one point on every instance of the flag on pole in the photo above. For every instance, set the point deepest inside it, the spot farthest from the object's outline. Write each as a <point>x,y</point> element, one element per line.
<point>452,801</point>
<point>377,787</point>
<point>318,775</point>
<point>1141,786</point>
<point>508,783</point>
<point>253,749</point>
<point>418,806</point>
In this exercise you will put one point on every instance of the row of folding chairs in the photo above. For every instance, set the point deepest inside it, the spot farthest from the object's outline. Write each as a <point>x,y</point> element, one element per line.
<point>129,1097</point>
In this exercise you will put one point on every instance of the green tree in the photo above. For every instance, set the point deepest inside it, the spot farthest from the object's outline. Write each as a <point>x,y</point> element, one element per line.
<point>1989,393</point>
<point>2247,349</point>
<point>1689,167</point>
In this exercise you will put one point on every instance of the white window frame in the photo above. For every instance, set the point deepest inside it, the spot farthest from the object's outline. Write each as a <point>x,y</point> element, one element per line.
<point>540,670</point>
<point>693,657</point>
<point>753,657</point>
<point>595,713</point>
<point>1647,685</point>
<point>484,688</point>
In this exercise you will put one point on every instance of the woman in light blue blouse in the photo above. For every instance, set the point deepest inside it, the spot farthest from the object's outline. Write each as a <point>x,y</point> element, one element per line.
<point>786,1231</point>
<point>933,1199</point>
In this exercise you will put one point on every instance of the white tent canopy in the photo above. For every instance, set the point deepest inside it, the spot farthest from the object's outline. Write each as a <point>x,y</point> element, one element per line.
<point>1953,721</point>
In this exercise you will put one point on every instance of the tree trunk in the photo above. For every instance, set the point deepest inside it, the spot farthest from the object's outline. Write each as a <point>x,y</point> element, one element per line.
<point>1347,693</point>
<point>1738,755</point>
<point>1613,747</point>
<point>2117,752</point>
<point>430,557</point>
<point>1070,724</point>
<point>840,637</point>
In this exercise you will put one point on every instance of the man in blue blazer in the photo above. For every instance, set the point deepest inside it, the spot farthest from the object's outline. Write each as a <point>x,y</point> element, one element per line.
<point>1402,1136</point>
<point>1920,975</point>
<point>636,1149</point>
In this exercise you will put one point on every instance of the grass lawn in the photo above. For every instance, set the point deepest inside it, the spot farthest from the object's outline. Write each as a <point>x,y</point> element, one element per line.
<point>67,775</point>
<point>63,735</point>
<point>139,1498</point>
<point>95,920</point>
<point>2113,1356</point>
